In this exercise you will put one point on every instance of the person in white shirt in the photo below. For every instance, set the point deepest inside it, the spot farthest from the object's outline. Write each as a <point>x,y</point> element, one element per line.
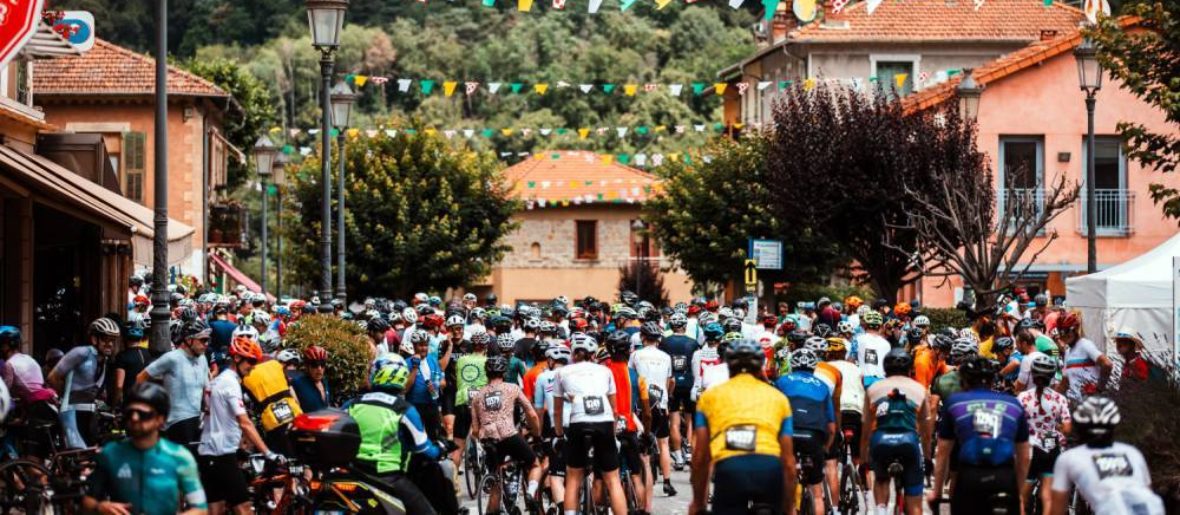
<point>708,365</point>
<point>655,367</point>
<point>558,356</point>
<point>871,348</point>
<point>1087,369</point>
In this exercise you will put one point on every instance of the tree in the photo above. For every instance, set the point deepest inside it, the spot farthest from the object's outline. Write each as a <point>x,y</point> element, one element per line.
<point>706,211</point>
<point>257,108</point>
<point>953,208</point>
<point>837,165</point>
<point>1145,62</point>
<point>420,215</point>
<point>645,279</point>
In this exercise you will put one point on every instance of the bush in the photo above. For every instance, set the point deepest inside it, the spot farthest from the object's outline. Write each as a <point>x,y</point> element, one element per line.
<point>810,292</point>
<point>348,351</point>
<point>1147,425</point>
<point>946,317</point>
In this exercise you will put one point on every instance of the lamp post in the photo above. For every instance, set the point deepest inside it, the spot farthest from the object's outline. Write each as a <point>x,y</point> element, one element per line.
<point>1090,80</point>
<point>160,314</point>
<point>326,19</point>
<point>342,100</point>
<point>264,159</point>
<point>279,180</point>
<point>640,227</point>
<point>969,95</point>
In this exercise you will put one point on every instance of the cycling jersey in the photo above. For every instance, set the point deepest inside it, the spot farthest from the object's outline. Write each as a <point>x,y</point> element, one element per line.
<point>1081,368</point>
<point>708,369</point>
<point>870,353</point>
<point>927,365</point>
<point>268,386</point>
<point>744,416</point>
<point>1045,415</point>
<point>470,375</point>
<point>987,426</point>
<point>543,397</point>
<point>22,375</point>
<point>309,395</point>
<point>516,371</point>
<point>390,426</point>
<point>185,379</point>
<point>896,401</point>
<point>1091,469</point>
<point>221,433</point>
<point>811,401</point>
<point>586,388</point>
<point>132,361</point>
<point>655,366</point>
<point>852,390</point>
<point>680,348</point>
<point>152,480</point>
<point>831,377</point>
<point>530,378</point>
<point>625,395</point>
<point>946,384</point>
<point>88,374</point>
<point>493,408</point>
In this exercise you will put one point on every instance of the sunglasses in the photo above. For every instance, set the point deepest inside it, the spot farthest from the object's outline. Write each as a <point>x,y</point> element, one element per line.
<point>315,364</point>
<point>139,413</point>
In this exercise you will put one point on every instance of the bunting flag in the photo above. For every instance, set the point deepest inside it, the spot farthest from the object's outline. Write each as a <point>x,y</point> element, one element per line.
<point>524,6</point>
<point>675,89</point>
<point>771,7</point>
<point>839,5</point>
<point>736,4</point>
<point>541,88</point>
<point>559,4</point>
<point>899,79</point>
<point>872,5</point>
<point>625,4</point>
<point>360,80</point>
<point>630,89</point>
<point>720,88</point>
<point>660,4</point>
<point>471,87</point>
<point>594,5</point>
<point>449,87</point>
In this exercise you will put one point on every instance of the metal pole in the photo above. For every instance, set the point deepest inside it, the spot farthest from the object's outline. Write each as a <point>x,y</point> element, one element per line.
<point>341,290</point>
<point>1091,206</point>
<point>326,180</point>
<point>279,243</point>
<point>265,235</point>
<point>160,314</point>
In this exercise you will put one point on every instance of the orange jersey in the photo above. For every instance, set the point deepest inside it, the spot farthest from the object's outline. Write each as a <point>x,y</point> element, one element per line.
<point>530,379</point>
<point>927,365</point>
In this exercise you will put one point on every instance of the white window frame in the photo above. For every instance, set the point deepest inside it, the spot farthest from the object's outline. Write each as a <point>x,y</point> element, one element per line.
<point>913,59</point>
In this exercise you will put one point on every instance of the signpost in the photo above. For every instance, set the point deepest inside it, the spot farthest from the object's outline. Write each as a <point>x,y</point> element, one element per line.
<point>18,22</point>
<point>766,254</point>
<point>751,276</point>
<point>78,28</point>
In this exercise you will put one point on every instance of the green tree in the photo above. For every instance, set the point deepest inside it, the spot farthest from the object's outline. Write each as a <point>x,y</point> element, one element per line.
<point>257,109</point>
<point>1145,62</point>
<point>421,215</point>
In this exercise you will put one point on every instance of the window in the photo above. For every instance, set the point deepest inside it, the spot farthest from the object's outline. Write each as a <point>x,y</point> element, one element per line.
<point>889,72</point>
<point>535,251</point>
<point>1108,163</point>
<point>586,246</point>
<point>1111,198</point>
<point>1022,161</point>
<point>134,150</point>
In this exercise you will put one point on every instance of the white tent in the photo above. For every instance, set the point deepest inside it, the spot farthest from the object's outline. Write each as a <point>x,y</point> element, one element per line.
<point>1135,294</point>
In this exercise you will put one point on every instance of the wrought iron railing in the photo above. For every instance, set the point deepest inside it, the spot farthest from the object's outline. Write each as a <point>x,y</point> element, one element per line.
<point>1114,212</point>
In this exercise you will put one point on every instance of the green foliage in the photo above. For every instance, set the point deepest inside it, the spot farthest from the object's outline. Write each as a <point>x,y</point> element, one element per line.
<point>706,212</point>
<point>1145,63</point>
<point>421,215</point>
<point>1158,437</point>
<point>811,292</point>
<point>254,109</point>
<point>348,350</point>
<point>946,317</point>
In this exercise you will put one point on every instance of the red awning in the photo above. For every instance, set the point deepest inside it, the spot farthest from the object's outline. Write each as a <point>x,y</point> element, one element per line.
<point>237,275</point>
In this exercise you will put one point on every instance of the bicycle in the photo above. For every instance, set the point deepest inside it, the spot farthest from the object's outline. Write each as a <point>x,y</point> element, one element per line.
<point>852,488</point>
<point>895,470</point>
<point>266,478</point>
<point>629,486</point>
<point>503,477</point>
<point>806,500</point>
<point>25,487</point>
<point>473,466</point>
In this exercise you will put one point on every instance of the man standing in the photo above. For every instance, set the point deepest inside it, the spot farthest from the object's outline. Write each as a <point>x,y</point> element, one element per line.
<point>871,348</point>
<point>1087,369</point>
<point>680,348</point>
<point>185,373</point>
<point>80,376</point>
<point>311,390</point>
<point>655,367</point>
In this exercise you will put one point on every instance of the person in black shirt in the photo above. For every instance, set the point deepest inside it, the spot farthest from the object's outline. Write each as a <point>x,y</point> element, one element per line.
<point>130,361</point>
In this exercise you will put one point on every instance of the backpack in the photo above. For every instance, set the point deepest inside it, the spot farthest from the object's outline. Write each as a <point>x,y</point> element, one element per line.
<point>1128,497</point>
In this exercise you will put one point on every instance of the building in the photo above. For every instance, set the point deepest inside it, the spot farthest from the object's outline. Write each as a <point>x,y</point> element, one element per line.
<point>110,92</point>
<point>902,46</point>
<point>578,229</point>
<point>1032,116</point>
<point>68,243</point>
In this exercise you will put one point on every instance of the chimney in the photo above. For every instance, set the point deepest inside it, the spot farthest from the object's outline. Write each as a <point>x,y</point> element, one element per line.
<point>782,24</point>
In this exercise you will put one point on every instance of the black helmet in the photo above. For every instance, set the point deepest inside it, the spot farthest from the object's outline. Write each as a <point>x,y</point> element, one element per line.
<point>797,336</point>
<point>942,342</point>
<point>1002,343</point>
<point>898,362</point>
<point>490,298</point>
<point>1025,324</point>
<point>377,325</point>
<point>914,335</point>
<point>978,370</point>
<point>732,325</point>
<point>619,342</point>
<point>744,355</point>
<point>651,331</point>
<point>822,330</point>
<point>496,365</point>
<point>151,394</point>
<point>196,329</point>
<point>136,281</point>
<point>1096,418</point>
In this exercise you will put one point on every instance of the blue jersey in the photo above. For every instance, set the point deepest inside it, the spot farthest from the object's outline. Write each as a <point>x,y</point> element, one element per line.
<point>986,425</point>
<point>309,395</point>
<point>811,401</point>
<point>680,348</point>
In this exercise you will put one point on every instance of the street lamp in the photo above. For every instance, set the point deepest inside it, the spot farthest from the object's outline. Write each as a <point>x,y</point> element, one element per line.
<point>264,159</point>
<point>1090,80</point>
<point>640,227</point>
<point>342,100</point>
<point>969,95</point>
<point>161,312</point>
<point>279,180</point>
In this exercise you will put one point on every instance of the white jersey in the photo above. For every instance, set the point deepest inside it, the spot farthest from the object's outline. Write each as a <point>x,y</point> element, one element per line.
<point>1081,367</point>
<point>852,393</point>
<point>708,369</point>
<point>655,367</point>
<point>1093,469</point>
<point>221,434</point>
<point>586,388</point>
<point>543,397</point>
<point>870,353</point>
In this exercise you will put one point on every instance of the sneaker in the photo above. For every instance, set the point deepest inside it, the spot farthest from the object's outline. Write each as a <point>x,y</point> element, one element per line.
<point>668,489</point>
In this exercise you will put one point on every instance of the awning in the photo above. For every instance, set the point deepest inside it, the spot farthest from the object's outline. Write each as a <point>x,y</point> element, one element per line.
<point>48,178</point>
<point>237,275</point>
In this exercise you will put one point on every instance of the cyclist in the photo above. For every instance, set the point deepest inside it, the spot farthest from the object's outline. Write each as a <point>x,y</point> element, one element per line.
<point>1087,369</point>
<point>930,358</point>
<point>144,473</point>
<point>708,364</point>
<point>631,399</point>
<point>1026,346</point>
<point>390,431</point>
<point>949,383</point>
<point>850,404</point>
<point>130,361</point>
<point>492,409</point>
<point>1129,345</point>
<point>516,366</point>
<point>587,390</point>
<point>1048,423</point>
<point>742,434</point>
<point>526,342</point>
<point>557,356</point>
<point>991,433</point>
<point>539,351</point>
<point>184,372</point>
<point>425,383</point>
<point>311,389</point>
<point>226,423</point>
<point>871,348</point>
<point>655,367</point>
<point>1112,476</point>
<point>470,375</point>
<point>814,418</point>
<point>80,377</point>
<point>680,348</point>
<point>895,429</point>
<point>23,380</point>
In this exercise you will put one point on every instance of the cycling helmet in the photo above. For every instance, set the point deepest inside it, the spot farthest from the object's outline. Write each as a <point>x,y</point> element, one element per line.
<point>1025,324</point>
<point>732,325</point>
<point>288,356</point>
<point>797,336</point>
<point>836,344</point>
<point>456,321</point>
<point>585,343</point>
<point>315,353</point>
<point>548,327</point>
<point>10,335</point>
<point>579,324</point>
<point>432,321</point>
<point>496,365</point>
<point>377,325</point>
<point>898,362</point>
<point>872,319</point>
<point>1069,322</point>
<point>725,312</point>
<point>1096,418</point>
<point>822,330</point>
<point>739,313</point>
<point>410,316</point>
<point>421,298</point>
<point>490,299</point>
<point>469,297</point>
<point>261,318</point>
<point>816,344</point>
<point>148,393</point>
<point>651,331</point>
<point>1002,343</point>
<point>731,337</point>
<point>420,336</point>
<point>914,335</point>
<point>961,350</point>
<point>131,330</point>
<point>395,317</point>
<point>389,373</point>
<point>677,320</point>
<point>435,300</point>
<point>1040,300</point>
<point>104,327</point>
<point>1043,366</point>
<point>941,342</point>
<point>246,331</point>
<point>804,359</point>
<point>531,324</point>
<point>247,348</point>
<point>505,342</point>
<point>196,329</point>
<point>558,353</point>
<point>619,342</point>
<point>481,339</point>
<point>744,355</point>
<point>714,332</point>
<point>902,309</point>
<point>978,370</point>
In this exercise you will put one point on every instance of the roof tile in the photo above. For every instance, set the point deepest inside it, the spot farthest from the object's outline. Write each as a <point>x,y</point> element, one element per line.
<point>108,69</point>
<point>578,177</point>
<point>944,20</point>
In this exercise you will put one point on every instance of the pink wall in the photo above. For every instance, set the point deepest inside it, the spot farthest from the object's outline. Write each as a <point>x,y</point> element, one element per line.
<point>1045,101</point>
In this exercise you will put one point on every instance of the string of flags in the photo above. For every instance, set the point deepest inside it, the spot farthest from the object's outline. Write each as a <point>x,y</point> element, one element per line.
<point>539,194</point>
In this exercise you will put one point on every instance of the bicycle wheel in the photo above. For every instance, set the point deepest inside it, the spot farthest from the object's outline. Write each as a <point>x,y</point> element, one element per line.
<point>850,495</point>
<point>24,488</point>
<point>472,468</point>
<point>587,496</point>
<point>807,502</point>
<point>483,494</point>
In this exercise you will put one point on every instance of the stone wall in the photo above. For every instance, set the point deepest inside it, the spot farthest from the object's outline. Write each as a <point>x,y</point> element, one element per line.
<point>547,238</point>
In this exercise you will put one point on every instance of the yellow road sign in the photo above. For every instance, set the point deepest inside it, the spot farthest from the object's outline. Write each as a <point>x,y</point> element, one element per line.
<point>751,276</point>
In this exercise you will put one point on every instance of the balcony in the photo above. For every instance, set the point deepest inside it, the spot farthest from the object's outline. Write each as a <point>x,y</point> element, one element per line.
<point>1114,210</point>
<point>1022,198</point>
<point>227,225</point>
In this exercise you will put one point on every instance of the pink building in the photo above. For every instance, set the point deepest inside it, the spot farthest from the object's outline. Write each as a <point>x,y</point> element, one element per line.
<point>1032,116</point>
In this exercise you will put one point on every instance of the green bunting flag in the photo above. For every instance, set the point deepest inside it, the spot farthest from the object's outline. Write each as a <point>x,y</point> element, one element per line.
<point>771,7</point>
<point>427,86</point>
<point>487,133</point>
<point>516,87</point>
<point>624,159</point>
<point>608,88</point>
<point>641,130</point>
<point>698,88</point>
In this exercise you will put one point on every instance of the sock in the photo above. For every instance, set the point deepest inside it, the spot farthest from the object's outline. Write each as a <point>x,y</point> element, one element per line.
<point>676,456</point>
<point>532,489</point>
<point>571,512</point>
<point>882,509</point>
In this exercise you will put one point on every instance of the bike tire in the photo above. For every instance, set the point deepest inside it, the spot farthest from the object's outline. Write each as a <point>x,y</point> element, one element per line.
<point>472,468</point>
<point>484,492</point>
<point>807,502</point>
<point>850,495</point>
<point>587,502</point>
<point>21,488</point>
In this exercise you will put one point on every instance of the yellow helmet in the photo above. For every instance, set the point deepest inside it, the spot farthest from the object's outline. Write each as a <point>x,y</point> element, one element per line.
<point>837,344</point>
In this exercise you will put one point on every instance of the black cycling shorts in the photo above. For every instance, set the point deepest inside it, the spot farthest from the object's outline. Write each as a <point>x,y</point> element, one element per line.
<point>851,422</point>
<point>1042,463</point>
<point>629,449</point>
<point>599,436</point>
<point>223,479</point>
<point>739,481</point>
<point>661,424</point>
<point>885,448</point>
<point>515,447</point>
<point>976,488</point>
<point>809,450</point>
<point>462,427</point>
<point>556,453</point>
<point>446,402</point>
<point>681,400</point>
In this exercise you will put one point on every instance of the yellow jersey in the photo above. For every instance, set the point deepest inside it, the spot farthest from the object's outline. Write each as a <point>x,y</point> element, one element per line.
<point>744,416</point>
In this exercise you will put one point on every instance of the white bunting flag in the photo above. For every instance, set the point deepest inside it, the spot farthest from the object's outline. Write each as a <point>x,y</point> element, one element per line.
<point>640,159</point>
<point>449,133</point>
<point>594,5</point>
<point>526,132</point>
<point>736,4</point>
<point>545,185</point>
<point>546,131</point>
<point>372,133</point>
<point>699,128</point>
<point>468,133</point>
<point>680,129</point>
<point>586,88</point>
<point>494,87</point>
<point>675,89</point>
<point>304,151</point>
<point>391,132</point>
<point>872,5</point>
<point>562,84</point>
<point>764,84</point>
<point>313,132</point>
<point>403,85</point>
<point>657,160</point>
<point>622,131</point>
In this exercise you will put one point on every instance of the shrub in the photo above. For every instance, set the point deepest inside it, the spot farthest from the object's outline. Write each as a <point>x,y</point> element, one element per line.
<point>810,292</point>
<point>946,317</point>
<point>348,351</point>
<point>1148,422</point>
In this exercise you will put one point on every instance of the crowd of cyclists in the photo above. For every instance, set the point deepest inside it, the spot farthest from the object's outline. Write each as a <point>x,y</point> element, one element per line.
<point>837,406</point>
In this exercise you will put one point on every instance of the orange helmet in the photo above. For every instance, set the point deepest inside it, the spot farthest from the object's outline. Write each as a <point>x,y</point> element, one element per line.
<point>1069,322</point>
<point>245,348</point>
<point>853,302</point>
<point>315,353</point>
<point>901,309</point>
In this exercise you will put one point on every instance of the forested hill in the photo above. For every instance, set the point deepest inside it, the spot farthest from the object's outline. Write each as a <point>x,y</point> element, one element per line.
<point>466,42</point>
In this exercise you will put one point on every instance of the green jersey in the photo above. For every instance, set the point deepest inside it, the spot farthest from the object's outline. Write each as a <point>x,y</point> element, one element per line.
<point>471,376</point>
<point>516,371</point>
<point>152,480</point>
<point>946,384</point>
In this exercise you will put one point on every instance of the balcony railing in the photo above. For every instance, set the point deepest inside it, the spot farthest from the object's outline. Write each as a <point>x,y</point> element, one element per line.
<point>1023,198</point>
<point>1114,212</point>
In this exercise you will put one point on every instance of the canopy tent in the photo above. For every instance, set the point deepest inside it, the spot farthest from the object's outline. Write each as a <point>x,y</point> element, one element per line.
<point>1136,294</point>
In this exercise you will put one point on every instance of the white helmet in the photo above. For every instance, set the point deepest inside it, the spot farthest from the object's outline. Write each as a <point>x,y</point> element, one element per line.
<point>922,321</point>
<point>421,298</point>
<point>558,353</point>
<point>287,356</point>
<point>582,341</point>
<point>247,331</point>
<point>410,316</point>
<point>469,297</point>
<point>456,320</point>
<point>844,327</point>
<point>261,317</point>
<point>407,346</point>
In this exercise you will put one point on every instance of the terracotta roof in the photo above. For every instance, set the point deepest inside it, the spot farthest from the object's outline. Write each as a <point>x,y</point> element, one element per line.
<point>1034,54</point>
<point>942,20</point>
<point>108,69</point>
<point>574,177</point>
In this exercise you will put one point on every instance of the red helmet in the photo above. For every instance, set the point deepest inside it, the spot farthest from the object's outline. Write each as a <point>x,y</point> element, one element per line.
<point>246,348</point>
<point>769,320</point>
<point>712,305</point>
<point>432,321</point>
<point>579,324</point>
<point>315,353</point>
<point>1069,322</point>
<point>694,310</point>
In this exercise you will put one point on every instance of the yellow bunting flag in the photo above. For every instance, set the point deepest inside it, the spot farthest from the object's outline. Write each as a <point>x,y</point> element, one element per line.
<point>660,4</point>
<point>506,132</point>
<point>607,158</point>
<point>630,89</point>
<point>720,88</point>
<point>661,128</point>
<point>449,87</point>
<point>900,78</point>
<point>360,80</point>
<point>430,132</point>
<point>583,133</point>
<point>738,126</point>
<point>808,84</point>
<point>541,88</point>
<point>524,6</point>
<point>276,129</point>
